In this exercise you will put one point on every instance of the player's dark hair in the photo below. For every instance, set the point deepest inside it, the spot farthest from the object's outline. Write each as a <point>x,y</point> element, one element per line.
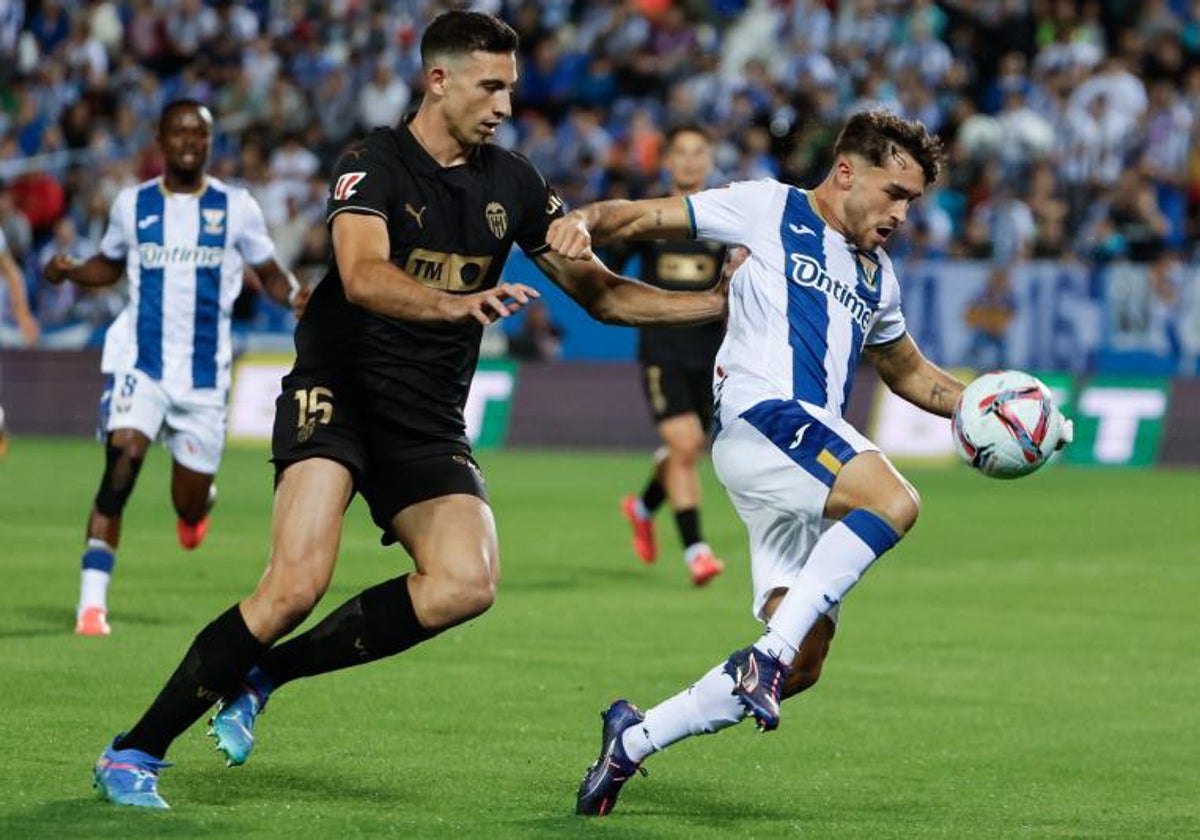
<point>876,135</point>
<point>688,128</point>
<point>176,104</point>
<point>459,33</point>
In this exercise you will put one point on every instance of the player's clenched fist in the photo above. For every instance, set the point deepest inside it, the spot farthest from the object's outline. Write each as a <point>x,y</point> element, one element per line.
<point>569,236</point>
<point>56,270</point>
<point>487,306</point>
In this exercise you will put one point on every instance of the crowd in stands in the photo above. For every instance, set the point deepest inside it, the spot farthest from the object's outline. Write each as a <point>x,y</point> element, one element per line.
<point>1069,124</point>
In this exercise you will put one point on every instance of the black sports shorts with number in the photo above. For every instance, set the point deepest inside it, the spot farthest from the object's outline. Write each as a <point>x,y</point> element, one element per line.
<point>385,396</point>
<point>315,417</point>
<point>673,389</point>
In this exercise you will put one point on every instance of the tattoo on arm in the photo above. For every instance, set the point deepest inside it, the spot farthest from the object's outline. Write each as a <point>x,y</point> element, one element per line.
<point>938,394</point>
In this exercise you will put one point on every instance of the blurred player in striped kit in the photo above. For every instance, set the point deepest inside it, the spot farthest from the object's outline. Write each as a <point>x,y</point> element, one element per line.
<point>183,240</point>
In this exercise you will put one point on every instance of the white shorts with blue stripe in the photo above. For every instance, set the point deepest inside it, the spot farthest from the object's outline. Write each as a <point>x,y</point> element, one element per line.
<point>191,420</point>
<point>778,461</point>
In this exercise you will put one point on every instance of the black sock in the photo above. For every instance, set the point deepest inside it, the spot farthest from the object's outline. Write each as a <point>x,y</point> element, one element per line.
<point>689,526</point>
<point>213,666</point>
<point>375,623</point>
<point>653,495</point>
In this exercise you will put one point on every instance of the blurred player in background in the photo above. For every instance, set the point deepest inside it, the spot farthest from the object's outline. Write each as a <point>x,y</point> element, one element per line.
<point>27,325</point>
<point>821,502</point>
<point>422,216</point>
<point>183,241</point>
<point>18,296</point>
<point>677,370</point>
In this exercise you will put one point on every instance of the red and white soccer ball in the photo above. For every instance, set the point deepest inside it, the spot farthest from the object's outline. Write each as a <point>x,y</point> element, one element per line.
<point>1006,425</point>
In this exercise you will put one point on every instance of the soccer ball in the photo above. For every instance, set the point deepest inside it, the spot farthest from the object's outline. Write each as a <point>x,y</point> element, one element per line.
<point>1006,425</point>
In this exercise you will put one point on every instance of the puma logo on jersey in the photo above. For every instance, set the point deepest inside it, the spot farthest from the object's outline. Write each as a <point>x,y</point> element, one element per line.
<point>802,230</point>
<point>147,221</point>
<point>416,214</point>
<point>344,188</point>
<point>799,435</point>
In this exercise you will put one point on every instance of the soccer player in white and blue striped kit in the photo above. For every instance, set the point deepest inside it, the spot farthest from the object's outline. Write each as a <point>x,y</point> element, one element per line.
<point>183,240</point>
<point>820,502</point>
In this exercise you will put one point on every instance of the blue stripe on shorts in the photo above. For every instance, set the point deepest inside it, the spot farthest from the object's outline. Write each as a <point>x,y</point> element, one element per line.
<point>815,448</point>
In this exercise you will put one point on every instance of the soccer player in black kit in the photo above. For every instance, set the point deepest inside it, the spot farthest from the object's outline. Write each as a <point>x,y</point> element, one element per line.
<point>677,370</point>
<point>422,216</point>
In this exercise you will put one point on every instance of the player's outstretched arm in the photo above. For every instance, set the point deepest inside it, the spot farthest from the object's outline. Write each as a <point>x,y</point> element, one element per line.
<point>614,299</point>
<point>905,370</point>
<point>574,234</point>
<point>28,325</point>
<point>96,271</point>
<point>372,281</point>
<point>282,286</point>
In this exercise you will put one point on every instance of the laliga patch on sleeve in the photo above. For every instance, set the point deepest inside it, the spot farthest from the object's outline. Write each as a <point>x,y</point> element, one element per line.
<point>344,188</point>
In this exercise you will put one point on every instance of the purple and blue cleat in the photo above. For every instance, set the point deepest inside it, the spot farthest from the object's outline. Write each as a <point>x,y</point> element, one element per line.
<point>757,682</point>
<point>602,783</point>
<point>128,777</point>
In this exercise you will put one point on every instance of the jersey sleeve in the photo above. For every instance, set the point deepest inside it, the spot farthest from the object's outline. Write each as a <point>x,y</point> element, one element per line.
<point>364,180</point>
<point>541,207</point>
<point>115,243</point>
<point>889,323</point>
<point>253,240</point>
<point>732,214</point>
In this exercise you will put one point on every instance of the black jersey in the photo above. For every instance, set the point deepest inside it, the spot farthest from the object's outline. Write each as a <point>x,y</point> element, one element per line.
<point>684,266</point>
<point>450,228</point>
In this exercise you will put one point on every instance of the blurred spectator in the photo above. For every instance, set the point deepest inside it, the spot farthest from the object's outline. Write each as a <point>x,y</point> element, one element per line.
<point>1128,223</point>
<point>1067,95</point>
<point>1049,210</point>
<point>539,338</point>
<point>989,317</point>
<point>383,100</point>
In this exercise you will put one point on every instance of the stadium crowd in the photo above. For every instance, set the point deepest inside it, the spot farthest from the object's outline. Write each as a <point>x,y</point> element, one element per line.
<point>1069,124</point>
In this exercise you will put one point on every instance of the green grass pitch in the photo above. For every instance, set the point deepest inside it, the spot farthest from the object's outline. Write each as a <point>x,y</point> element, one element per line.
<point>1025,664</point>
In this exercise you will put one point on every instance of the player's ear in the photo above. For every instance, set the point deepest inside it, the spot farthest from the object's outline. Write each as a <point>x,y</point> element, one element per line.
<point>843,168</point>
<point>436,79</point>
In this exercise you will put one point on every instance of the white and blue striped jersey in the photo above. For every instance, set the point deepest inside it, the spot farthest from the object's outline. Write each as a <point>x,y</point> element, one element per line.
<point>184,257</point>
<point>802,306</point>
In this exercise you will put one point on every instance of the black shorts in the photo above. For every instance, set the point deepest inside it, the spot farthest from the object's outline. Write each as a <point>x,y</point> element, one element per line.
<point>314,418</point>
<point>673,389</point>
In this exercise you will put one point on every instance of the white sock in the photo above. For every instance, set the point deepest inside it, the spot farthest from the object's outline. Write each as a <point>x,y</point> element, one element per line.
<point>707,706</point>
<point>695,549</point>
<point>640,510</point>
<point>93,589</point>
<point>98,560</point>
<point>836,563</point>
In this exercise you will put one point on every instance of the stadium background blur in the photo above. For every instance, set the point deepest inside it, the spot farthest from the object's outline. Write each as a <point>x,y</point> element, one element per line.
<point>1061,239</point>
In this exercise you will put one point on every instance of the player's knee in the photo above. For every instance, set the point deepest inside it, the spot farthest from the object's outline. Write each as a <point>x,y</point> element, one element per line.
<point>290,603</point>
<point>900,508</point>
<point>453,598</point>
<point>686,452</point>
<point>122,463</point>
<point>475,596</point>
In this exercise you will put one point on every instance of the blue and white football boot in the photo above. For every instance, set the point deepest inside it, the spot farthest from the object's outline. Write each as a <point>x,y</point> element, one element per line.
<point>233,724</point>
<point>128,777</point>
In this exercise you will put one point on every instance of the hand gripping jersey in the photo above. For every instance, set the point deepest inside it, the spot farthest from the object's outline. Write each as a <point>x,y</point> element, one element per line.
<point>802,307</point>
<point>184,257</point>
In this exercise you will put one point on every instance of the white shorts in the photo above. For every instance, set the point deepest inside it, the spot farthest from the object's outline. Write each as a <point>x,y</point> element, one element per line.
<point>192,421</point>
<point>778,462</point>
